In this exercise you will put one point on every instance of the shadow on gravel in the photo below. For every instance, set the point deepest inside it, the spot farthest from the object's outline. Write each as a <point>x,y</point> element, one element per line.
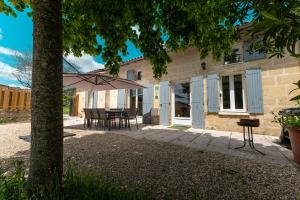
<point>171,171</point>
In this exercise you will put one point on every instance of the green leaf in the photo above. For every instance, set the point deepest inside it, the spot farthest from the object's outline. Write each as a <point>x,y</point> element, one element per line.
<point>296,98</point>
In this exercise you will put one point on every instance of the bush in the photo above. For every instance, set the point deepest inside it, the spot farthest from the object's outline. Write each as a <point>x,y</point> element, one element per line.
<point>77,185</point>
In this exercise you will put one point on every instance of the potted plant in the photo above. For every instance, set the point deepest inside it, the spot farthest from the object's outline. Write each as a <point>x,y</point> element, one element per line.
<point>291,120</point>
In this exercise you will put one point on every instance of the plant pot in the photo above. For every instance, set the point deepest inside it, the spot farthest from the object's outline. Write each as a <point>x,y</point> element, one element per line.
<point>294,134</point>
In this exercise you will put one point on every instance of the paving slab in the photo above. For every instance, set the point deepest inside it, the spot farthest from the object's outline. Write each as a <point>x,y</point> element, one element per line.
<point>218,143</point>
<point>186,139</point>
<point>201,142</point>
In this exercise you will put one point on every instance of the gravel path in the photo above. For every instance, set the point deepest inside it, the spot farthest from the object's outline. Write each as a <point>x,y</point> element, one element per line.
<point>167,171</point>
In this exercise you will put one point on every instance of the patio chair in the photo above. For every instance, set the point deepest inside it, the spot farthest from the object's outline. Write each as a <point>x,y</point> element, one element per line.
<point>87,117</point>
<point>94,117</point>
<point>118,115</point>
<point>131,114</point>
<point>102,118</point>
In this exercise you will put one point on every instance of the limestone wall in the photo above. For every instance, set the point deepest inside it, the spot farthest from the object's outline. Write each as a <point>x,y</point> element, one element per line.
<point>277,78</point>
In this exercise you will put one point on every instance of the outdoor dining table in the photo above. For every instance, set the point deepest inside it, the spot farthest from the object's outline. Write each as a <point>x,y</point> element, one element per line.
<point>109,118</point>
<point>119,114</point>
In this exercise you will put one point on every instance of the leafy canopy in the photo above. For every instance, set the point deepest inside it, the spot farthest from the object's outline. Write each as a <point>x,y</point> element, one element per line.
<point>163,25</point>
<point>206,25</point>
<point>279,24</point>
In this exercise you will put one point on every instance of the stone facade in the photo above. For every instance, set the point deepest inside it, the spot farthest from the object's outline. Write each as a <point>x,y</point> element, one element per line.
<point>277,78</point>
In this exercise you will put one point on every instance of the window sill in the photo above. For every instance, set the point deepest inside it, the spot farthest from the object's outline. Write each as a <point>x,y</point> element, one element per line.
<point>232,113</point>
<point>235,63</point>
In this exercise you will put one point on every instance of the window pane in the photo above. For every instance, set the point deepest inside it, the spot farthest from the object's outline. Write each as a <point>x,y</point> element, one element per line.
<point>226,92</point>
<point>238,91</point>
<point>139,75</point>
<point>234,57</point>
<point>133,98</point>
<point>140,102</point>
<point>182,100</point>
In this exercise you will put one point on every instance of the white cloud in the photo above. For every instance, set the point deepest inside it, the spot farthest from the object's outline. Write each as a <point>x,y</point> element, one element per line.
<point>17,85</point>
<point>6,71</point>
<point>85,62</point>
<point>1,35</point>
<point>9,52</point>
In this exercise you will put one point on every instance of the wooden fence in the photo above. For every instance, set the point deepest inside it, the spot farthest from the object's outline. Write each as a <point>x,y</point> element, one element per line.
<point>14,98</point>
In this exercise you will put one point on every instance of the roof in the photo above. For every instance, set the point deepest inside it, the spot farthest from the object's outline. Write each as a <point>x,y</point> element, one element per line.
<point>97,71</point>
<point>132,60</point>
<point>103,70</point>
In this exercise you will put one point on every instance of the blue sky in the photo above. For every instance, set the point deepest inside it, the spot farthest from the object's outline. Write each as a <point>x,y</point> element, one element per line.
<point>16,38</point>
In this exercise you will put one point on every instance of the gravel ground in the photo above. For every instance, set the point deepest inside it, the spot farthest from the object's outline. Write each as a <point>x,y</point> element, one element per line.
<point>165,170</point>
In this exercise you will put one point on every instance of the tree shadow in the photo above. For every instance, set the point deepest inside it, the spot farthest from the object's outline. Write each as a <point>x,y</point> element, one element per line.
<point>157,161</point>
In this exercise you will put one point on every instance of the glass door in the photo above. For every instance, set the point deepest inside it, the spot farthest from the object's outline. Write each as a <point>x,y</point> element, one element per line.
<point>181,104</point>
<point>136,100</point>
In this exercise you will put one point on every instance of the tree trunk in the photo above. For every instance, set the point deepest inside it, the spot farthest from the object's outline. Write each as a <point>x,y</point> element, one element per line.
<point>46,159</point>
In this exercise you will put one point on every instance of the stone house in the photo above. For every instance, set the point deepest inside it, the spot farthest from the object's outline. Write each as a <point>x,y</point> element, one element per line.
<point>207,94</point>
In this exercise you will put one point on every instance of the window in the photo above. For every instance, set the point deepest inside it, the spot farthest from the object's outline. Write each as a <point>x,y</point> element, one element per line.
<point>131,75</point>
<point>249,55</point>
<point>234,57</point>
<point>232,93</point>
<point>139,75</point>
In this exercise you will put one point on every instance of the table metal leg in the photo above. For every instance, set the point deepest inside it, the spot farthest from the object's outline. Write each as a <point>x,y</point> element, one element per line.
<point>250,140</point>
<point>249,137</point>
<point>252,143</point>
<point>244,139</point>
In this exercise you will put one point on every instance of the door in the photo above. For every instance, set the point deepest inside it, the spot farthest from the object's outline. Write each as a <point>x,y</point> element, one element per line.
<point>181,104</point>
<point>197,102</point>
<point>164,103</point>
<point>136,100</point>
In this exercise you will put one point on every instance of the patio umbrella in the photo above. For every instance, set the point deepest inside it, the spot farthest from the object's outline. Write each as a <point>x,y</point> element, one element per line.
<point>97,82</point>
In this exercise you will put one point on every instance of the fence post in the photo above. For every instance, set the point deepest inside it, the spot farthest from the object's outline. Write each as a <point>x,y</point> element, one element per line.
<point>28,104</point>
<point>6,99</point>
<point>14,99</point>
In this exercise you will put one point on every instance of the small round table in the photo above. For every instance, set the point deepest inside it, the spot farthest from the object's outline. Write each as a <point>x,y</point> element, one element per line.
<point>249,124</point>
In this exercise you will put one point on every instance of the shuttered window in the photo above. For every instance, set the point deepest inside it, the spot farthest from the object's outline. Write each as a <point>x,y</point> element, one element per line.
<point>254,91</point>
<point>164,103</point>
<point>131,75</point>
<point>95,100</point>
<point>232,93</point>
<point>197,102</point>
<point>212,93</point>
<point>86,100</point>
<point>121,98</point>
<point>148,98</point>
<point>251,56</point>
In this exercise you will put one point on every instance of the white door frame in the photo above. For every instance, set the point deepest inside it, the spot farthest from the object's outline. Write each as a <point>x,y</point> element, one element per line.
<point>184,121</point>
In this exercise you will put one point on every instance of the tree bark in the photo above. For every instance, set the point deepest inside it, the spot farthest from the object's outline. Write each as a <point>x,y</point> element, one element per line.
<point>46,159</point>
